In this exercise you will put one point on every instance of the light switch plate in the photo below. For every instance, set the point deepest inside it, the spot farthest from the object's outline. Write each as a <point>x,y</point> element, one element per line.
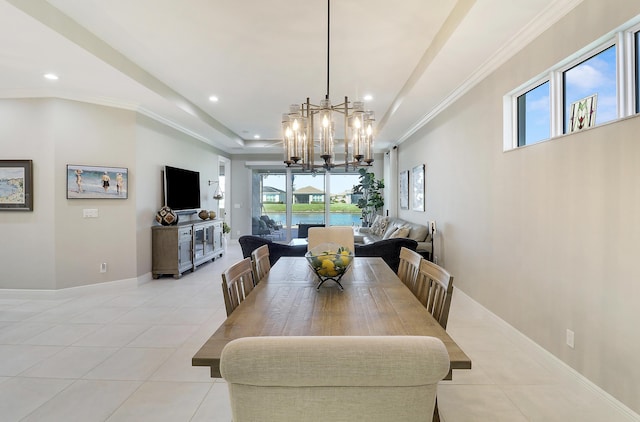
<point>90,213</point>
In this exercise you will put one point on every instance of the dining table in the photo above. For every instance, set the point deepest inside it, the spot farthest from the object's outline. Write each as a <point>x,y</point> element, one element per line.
<point>286,302</point>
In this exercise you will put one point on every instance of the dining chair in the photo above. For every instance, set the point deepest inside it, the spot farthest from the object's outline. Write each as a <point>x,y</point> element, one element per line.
<point>341,235</point>
<point>434,288</point>
<point>237,283</point>
<point>409,267</point>
<point>341,378</point>
<point>260,262</point>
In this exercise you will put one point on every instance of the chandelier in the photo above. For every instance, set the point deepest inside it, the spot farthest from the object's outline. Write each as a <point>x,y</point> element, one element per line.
<point>309,126</point>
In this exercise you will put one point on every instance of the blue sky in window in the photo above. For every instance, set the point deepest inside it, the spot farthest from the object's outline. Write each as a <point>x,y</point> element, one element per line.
<point>538,114</point>
<point>596,75</point>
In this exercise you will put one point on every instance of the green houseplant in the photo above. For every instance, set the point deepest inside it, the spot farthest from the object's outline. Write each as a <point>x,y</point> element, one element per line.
<point>371,200</point>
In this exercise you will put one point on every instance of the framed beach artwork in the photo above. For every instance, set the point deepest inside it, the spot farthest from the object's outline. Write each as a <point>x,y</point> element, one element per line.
<point>404,190</point>
<point>16,185</point>
<point>97,182</point>
<point>417,180</point>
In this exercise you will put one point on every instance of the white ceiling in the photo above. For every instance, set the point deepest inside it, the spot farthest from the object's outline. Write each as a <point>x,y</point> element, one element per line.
<point>164,58</point>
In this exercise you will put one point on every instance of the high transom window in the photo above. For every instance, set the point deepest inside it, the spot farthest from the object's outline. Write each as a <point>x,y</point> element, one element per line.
<point>595,86</point>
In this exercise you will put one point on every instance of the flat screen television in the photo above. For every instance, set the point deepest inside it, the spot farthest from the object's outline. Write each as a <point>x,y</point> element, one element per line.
<point>181,188</point>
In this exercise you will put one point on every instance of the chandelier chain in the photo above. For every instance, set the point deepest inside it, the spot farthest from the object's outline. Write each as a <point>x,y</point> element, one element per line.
<point>328,43</point>
<point>308,125</point>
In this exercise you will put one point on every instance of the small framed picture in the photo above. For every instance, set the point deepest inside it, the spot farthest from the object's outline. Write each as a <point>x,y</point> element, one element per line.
<point>583,113</point>
<point>16,185</point>
<point>404,190</point>
<point>418,187</point>
<point>97,182</point>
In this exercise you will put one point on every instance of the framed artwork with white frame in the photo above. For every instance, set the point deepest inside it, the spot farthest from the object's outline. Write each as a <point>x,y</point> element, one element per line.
<point>417,179</point>
<point>404,190</point>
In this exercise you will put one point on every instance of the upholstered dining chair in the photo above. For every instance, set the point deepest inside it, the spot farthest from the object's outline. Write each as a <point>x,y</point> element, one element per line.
<point>341,235</point>
<point>237,283</point>
<point>409,267</point>
<point>260,262</point>
<point>333,378</point>
<point>433,289</point>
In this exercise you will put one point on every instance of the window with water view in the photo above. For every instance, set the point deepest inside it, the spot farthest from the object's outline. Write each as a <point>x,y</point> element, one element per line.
<point>314,199</point>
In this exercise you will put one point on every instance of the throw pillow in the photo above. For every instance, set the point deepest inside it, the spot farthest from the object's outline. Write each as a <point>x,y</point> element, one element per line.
<point>384,222</point>
<point>402,231</point>
<point>379,225</point>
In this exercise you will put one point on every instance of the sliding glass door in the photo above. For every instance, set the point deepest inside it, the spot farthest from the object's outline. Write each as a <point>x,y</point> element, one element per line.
<point>284,200</point>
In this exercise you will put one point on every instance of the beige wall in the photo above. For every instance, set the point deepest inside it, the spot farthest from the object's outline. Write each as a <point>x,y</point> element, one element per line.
<point>27,255</point>
<point>54,247</point>
<point>92,135</point>
<point>156,146</point>
<point>545,236</point>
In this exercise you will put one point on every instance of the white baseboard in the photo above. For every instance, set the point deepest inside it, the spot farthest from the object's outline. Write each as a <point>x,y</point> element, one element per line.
<point>124,284</point>
<point>519,338</point>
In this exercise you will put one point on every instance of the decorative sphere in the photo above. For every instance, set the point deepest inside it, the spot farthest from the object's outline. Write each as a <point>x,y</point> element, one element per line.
<point>166,216</point>
<point>203,214</point>
<point>212,215</point>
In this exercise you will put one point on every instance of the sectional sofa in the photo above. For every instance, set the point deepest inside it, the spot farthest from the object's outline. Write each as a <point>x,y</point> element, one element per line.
<point>389,228</point>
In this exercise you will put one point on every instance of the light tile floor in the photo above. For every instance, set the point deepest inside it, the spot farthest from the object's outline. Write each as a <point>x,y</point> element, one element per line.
<point>124,354</point>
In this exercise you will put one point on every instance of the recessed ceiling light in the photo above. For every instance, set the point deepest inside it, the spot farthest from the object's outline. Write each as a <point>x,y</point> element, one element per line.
<point>51,76</point>
<point>368,97</point>
<point>213,99</point>
<point>256,136</point>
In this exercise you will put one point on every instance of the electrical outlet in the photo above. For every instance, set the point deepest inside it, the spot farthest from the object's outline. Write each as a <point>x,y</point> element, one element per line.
<point>103,267</point>
<point>570,338</point>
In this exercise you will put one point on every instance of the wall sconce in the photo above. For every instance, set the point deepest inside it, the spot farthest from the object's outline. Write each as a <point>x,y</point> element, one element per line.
<point>217,194</point>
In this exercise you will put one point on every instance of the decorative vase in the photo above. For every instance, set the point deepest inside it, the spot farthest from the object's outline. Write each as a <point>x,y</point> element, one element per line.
<point>203,214</point>
<point>212,215</point>
<point>166,216</point>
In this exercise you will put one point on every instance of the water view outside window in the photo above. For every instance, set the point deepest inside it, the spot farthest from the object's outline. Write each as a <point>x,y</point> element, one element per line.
<point>310,198</point>
<point>534,115</point>
<point>596,75</point>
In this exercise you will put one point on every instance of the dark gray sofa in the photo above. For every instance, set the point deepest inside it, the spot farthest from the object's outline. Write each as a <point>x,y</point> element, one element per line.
<point>387,249</point>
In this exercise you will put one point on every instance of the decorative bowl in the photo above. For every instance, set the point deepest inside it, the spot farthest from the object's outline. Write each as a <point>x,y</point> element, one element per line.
<point>329,261</point>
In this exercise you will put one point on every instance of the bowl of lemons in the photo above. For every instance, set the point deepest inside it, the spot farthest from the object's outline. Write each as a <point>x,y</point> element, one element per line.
<point>329,261</point>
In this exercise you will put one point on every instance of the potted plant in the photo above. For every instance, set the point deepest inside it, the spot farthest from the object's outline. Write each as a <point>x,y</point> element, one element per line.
<point>225,234</point>
<point>371,200</point>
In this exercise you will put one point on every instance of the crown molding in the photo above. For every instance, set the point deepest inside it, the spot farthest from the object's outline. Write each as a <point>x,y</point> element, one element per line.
<point>543,21</point>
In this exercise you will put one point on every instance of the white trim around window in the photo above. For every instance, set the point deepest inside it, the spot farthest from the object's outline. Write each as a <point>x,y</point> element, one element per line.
<point>624,40</point>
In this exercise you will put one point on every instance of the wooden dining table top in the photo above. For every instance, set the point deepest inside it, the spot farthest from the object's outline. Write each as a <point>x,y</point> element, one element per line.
<point>285,302</point>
